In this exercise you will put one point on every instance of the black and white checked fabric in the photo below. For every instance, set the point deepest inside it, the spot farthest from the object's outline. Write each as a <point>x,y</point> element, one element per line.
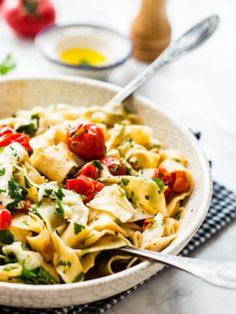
<point>222,211</point>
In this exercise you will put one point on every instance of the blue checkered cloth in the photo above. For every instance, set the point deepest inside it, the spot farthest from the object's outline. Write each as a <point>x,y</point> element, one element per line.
<point>222,211</point>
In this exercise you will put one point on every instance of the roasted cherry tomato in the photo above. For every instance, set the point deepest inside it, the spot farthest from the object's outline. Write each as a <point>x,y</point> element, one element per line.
<point>85,186</point>
<point>115,166</point>
<point>87,141</point>
<point>176,181</point>
<point>90,171</point>
<point>10,137</point>
<point>5,218</point>
<point>6,129</point>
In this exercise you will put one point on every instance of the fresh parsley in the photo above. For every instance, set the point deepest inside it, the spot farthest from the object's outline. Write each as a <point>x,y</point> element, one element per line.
<point>6,237</point>
<point>36,276</point>
<point>59,193</point>
<point>64,263</point>
<point>2,171</point>
<point>160,183</point>
<point>124,181</point>
<point>17,193</point>
<point>31,127</point>
<point>59,208</point>
<point>78,228</point>
<point>97,164</point>
<point>80,277</point>
<point>7,65</point>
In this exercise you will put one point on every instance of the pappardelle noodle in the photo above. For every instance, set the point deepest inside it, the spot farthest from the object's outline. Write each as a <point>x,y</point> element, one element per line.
<point>77,183</point>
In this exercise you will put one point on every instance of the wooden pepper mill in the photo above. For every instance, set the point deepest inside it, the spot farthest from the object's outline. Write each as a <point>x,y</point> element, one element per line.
<point>150,31</point>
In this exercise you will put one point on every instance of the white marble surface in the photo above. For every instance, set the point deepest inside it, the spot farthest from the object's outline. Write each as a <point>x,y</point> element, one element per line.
<point>200,91</point>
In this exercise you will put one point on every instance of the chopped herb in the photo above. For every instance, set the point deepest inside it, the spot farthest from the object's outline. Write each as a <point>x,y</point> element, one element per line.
<point>7,65</point>
<point>59,193</point>
<point>2,149</point>
<point>115,168</point>
<point>78,228</point>
<point>97,164</point>
<point>34,210</point>
<point>2,171</point>
<point>89,237</point>
<point>36,276</point>
<point>80,277</point>
<point>6,237</point>
<point>48,192</point>
<point>124,181</point>
<point>160,183</point>
<point>59,208</point>
<point>29,129</point>
<point>11,258</point>
<point>177,160</point>
<point>64,263</point>
<point>17,193</point>
<point>118,221</point>
<point>27,183</point>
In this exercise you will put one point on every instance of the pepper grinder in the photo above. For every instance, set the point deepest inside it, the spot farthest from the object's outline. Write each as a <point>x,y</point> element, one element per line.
<point>150,31</point>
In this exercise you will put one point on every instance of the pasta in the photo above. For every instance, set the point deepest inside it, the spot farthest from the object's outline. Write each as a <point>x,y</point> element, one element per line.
<point>78,183</point>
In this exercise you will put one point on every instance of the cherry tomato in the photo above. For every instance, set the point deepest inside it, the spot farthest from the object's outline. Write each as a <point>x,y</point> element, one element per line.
<point>28,17</point>
<point>85,186</point>
<point>90,171</point>
<point>5,218</point>
<point>115,166</point>
<point>181,183</point>
<point>87,141</point>
<point>5,130</point>
<point>8,136</point>
<point>176,182</point>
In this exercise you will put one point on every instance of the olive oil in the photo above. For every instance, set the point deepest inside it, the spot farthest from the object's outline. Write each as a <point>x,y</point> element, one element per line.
<point>82,56</point>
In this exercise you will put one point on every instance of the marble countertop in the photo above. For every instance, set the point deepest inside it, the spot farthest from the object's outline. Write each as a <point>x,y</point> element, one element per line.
<point>199,90</point>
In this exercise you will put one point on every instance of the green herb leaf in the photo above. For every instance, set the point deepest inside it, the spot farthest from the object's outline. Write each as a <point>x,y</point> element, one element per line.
<point>78,228</point>
<point>6,237</point>
<point>27,183</point>
<point>36,276</point>
<point>160,183</point>
<point>97,164</point>
<point>2,171</point>
<point>59,193</point>
<point>17,193</point>
<point>7,65</point>
<point>124,181</point>
<point>80,277</point>
<point>115,168</point>
<point>29,129</point>
<point>118,221</point>
<point>64,263</point>
<point>59,208</point>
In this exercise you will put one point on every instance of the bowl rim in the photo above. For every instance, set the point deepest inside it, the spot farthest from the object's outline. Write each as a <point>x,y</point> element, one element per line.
<point>40,36</point>
<point>176,246</point>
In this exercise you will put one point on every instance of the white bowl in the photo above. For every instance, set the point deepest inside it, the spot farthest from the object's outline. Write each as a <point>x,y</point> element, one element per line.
<point>26,93</point>
<point>57,38</point>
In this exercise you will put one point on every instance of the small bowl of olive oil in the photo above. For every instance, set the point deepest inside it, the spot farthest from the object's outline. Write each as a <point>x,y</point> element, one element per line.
<point>85,50</point>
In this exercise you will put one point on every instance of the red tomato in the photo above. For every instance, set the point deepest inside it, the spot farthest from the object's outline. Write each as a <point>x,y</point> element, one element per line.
<point>5,218</point>
<point>85,186</point>
<point>87,141</point>
<point>181,183</point>
<point>8,138</point>
<point>5,130</point>
<point>176,181</point>
<point>115,166</point>
<point>90,171</point>
<point>28,17</point>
